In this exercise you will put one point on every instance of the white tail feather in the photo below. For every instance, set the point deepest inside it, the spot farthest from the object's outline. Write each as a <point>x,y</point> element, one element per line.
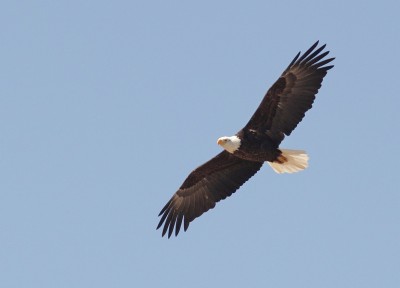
<point>297,160</point>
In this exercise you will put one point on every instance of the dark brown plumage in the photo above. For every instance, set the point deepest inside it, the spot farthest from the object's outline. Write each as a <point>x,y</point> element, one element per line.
<point>211,182</point>
<point>281,109</point>
<point>293,94</point>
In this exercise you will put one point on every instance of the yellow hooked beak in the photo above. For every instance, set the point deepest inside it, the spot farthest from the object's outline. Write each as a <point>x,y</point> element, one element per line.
<point>220,141</point>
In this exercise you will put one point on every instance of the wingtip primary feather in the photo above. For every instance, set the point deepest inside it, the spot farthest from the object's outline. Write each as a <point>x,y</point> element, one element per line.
<point>293,61</point>
<point>307,52</point>
<point>310,57</point>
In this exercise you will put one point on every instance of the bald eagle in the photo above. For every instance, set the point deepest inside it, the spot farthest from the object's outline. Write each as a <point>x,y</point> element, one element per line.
<point>281,109</point>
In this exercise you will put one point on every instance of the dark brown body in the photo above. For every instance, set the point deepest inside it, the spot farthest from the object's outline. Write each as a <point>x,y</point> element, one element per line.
<point>257,147</point>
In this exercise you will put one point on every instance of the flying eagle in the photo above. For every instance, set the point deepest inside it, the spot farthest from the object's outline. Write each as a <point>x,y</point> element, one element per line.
<point>282,108</point>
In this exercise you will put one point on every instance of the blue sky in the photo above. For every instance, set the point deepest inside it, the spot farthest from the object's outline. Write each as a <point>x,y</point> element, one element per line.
<point>106,106</point>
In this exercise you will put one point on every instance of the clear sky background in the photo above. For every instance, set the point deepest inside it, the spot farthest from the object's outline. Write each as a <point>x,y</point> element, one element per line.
<point>106,106</point>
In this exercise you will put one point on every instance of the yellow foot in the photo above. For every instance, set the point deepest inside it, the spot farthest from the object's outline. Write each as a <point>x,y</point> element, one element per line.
<point>281,159</point>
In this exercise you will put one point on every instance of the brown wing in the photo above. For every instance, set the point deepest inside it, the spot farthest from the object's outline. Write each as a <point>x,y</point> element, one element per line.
<point>205,186</point>
<point>286,102</point>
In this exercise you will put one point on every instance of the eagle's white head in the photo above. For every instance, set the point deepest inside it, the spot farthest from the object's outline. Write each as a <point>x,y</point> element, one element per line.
<point>230,144</point>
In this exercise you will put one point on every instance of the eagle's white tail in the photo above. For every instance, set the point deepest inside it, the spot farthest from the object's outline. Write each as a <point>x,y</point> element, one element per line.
<point>292,161</point>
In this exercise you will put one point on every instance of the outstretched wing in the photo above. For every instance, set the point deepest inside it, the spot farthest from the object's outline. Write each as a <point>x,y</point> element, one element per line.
<point>286,102</point>
<point>205,186</point>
